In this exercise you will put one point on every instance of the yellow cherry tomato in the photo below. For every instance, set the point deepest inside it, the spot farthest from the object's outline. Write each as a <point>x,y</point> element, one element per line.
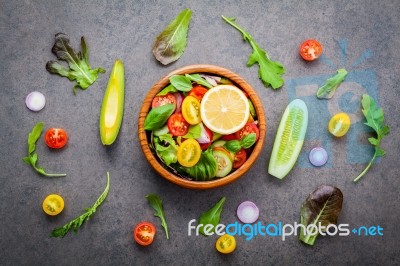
<point>191,110</point>
<point>189,153</point>
<point>339,124</point>
<point>226,244</point>
<point>53,204</point>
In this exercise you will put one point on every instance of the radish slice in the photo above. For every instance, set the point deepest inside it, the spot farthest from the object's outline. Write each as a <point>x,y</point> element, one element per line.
<point>35,101</point>
<point>248,212</point>
<point>179,100</point>
<point>318,156</point>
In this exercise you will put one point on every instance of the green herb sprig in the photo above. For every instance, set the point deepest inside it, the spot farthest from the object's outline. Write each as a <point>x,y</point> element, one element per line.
<point>270,72</point>
<point>156,203</point>
<point>375,120</point>
<point>76,223</point>
<point>32,157</point>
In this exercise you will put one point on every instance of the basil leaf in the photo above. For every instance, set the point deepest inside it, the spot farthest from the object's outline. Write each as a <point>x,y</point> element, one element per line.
<point>248,140</point>
<point>157,116</point>
<point>194,132</point>
<point>212,216</point>
<point>156,203</point>
<point>171,42</point>
<point>199,80</point>
<point>327,91</point>
<point>233,145</point>
<point>181,83</point>
<point>322,207</point>
<point>167,90</point>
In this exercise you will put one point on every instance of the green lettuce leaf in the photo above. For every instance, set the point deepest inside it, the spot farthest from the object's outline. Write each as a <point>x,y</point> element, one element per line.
<point>166,148</point>
<point>328,90</point>
<point>171,42</point>
<point>79,68</point>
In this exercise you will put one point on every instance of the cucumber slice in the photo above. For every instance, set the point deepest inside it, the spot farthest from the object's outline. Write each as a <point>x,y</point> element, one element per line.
<point>218,143</point>
<point>289,139</point>
<point>162,131</point>
<point>224,163</point>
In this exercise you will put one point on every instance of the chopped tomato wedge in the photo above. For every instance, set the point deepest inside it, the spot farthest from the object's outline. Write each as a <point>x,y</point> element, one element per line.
<point>229,137</point>
<point>177,125</point>
<point>310,50</point>
<point>56,138</point>
<point>144,233</point>
<point>240,158</point>
<point>163,100</point>
<point>198,92</point>
<point>247,129</point>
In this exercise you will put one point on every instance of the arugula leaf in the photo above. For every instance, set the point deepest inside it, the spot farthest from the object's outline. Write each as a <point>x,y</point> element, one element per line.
<point>181,83</point>
<point>79,68</point>
<point>32,157</point>
<point>167,153</point>
<point>328,90</point>
<point>157,116</point>
<point>199,80</point>
<point>156,203</point>
<point>212,216</point>
<point>375,120</point>
<point>171,42</point>
<point>270,72</point>
<point>77,222</point>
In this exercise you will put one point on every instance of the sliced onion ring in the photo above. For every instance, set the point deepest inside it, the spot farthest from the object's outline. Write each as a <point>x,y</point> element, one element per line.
<point>179,100</point>
<point>35,101</point>
<point>318,156</point>
<point>248,212</point>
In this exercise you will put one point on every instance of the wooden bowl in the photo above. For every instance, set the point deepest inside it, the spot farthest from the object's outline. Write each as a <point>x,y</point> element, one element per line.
<point>145,139</point>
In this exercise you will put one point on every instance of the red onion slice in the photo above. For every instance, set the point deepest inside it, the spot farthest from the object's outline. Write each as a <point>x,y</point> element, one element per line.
<point>205,135</point>
<point>35,101</point>
<point>248,212</point>
<point>318,156</point>
<point>179,100</point>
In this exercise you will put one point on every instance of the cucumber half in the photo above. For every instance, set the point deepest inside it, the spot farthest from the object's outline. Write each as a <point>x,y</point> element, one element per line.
<point>289,139</point>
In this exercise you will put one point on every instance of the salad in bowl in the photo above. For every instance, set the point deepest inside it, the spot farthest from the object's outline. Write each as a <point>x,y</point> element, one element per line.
<point>201,126</point>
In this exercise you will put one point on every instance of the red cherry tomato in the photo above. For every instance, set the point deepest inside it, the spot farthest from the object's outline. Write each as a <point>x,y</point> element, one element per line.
<point>163,100</point>
<point>229,137</point>
<point>177,125</point>
<point>56,138</point>
<point>247,129</point>
<point>310,50</point>
<point>198,92</point>
<point>240,158</point>
<point>144,233</point>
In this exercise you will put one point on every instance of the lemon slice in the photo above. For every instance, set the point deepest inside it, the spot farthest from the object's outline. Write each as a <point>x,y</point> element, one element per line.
<point>224,109</point>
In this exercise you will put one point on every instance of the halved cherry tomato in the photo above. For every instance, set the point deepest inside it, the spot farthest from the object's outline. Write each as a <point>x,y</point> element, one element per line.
<point>310,50</point>
<point>56,138</point>
<point>339,124</point>
<point>177,125</point>
<point>53,204</point>
<point>198,92</point>
<point>240,158</point>
<point>191,110</point>
<point>163,100</point>
<point>189,153</point>
<point>247,129</point>
<point>144,233</point>
<point>226,244</point>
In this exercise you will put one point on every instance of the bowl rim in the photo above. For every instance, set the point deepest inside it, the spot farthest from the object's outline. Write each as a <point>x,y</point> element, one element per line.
<point>212,70</point>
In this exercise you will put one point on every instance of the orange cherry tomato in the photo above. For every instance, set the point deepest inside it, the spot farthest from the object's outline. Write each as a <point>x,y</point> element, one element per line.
<point>198,92</point>
<point>56,138</point>
<point>310,50</point>
<point>144,233</point>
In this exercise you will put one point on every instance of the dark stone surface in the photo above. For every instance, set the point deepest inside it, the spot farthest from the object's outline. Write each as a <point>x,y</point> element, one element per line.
<point>126,30</point>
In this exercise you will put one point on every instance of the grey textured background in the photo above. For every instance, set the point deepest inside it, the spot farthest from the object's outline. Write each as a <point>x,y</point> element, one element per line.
<point>126,30</point>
